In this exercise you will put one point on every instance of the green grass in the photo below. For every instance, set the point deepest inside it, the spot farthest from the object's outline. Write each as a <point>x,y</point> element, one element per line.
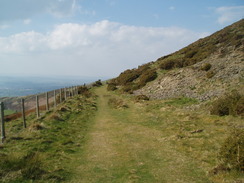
<point>42,152</point>
<point>8,112</point>
<point>87,140</point>
<point>182,101</point>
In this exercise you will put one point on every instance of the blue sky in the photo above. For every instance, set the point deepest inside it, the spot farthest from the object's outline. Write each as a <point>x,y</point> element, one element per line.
<point>102,37</point>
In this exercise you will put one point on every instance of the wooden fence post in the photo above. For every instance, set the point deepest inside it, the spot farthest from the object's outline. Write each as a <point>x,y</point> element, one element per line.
<point>47,102</point>
<point>23,112</point>
<point>54,100</point>
<point>60,95</point>
<point>2,122</point>
<point>69,92</point>
<point>37,107</point>
<point>73,93</point>
<point>65,93</point>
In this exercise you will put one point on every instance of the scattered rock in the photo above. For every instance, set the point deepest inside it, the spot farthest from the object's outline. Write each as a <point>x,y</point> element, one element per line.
<point>197,131</point>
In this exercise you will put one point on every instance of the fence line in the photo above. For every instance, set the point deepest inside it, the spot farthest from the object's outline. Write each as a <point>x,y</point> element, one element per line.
<point>2,122</point>
<point>34,104</point>
<point>23,112</point>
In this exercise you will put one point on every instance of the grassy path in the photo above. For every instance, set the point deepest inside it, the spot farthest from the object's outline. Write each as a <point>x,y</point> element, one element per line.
<point>119,149</point>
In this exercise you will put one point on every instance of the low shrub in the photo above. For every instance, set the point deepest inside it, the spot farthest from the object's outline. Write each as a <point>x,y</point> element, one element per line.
<point>206,67</point>
<point>240,107</point>
<point>129,88</point>
<point>83,90</point>
<point>28,167</point>
<point>190,53</point>
<point>147,76</point>
<point>141,98</point>
<point>111,87</point>
<point>210,74</point>
<point>167,64</point>
<point>127,77</point>
<point>230,104</point>
<point>231,154</point>
<point>117,103</point>
<point>97,83</point>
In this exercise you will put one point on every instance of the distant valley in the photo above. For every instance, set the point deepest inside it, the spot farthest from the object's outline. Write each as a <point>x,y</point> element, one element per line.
<point>13,86</point>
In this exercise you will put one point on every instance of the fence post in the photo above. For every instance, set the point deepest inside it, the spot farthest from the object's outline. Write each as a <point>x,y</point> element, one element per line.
<point>2,122</point>
<point>23,112</point>
<point>54,101</point>
<point>60,95</point>
<point>37,107</point>
<point>65,93</point>
<point>47,102</point>
<point>69,92</point>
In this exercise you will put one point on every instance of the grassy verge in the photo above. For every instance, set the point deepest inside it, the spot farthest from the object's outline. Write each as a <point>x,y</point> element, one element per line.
<point>43,152</point>
<point>193,135</point>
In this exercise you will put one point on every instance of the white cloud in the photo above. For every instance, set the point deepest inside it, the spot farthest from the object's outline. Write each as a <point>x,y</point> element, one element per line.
<point>27,21</point>
<point>4,27</point>
<point>102,48</point>
<point>230,14</point>
<point>172,8</point>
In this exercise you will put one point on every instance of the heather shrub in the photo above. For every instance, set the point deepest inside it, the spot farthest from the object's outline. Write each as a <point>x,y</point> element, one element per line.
<point>206,67</point>
<point>231,154</point>
<point>240,106</point>
<point>167,64</point>
<point>147,76</point>
<point>127,77</point>
<point>111,87</point>
<point>117,103</point>
<point>25,168</point>
<point>97,83</point>
<point>129,88</point>
<point>190,54</point>
<point>210,74</point>
<point>83,90</point>
<point>230,104</point>
<point>141,98</point>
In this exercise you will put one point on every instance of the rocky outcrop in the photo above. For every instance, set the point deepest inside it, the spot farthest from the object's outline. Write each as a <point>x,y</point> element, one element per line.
<point>226,74</point>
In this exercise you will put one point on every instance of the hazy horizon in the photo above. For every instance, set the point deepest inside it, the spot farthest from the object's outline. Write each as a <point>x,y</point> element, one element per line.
<point>13,86</point>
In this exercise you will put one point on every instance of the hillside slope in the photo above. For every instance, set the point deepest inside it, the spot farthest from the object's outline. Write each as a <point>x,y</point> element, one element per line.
<point>203,70</point>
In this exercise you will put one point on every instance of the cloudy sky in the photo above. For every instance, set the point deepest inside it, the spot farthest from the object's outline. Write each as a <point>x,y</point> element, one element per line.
<point>102,37</point>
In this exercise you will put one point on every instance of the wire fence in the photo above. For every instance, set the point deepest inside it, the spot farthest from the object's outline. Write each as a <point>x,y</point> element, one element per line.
<point>13,108</point>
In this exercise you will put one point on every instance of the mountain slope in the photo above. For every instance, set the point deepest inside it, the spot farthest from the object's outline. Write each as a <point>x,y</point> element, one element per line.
<point>203,70</point>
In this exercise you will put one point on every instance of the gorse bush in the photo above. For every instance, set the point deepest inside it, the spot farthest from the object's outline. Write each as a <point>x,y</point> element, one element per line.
<point>210,74</point>
<point>231,153</point>
<point>83,90</point>
<point>133,79</point>
<point>141,98</point>
<point>230,104</point>
<point>206,67</point>
<point>117,103</point>
<point>28,167</point>
<point>168,64</point>
<point>147,76</point>
<point>111,87</point>
<point>97,83</point>
<point>127,77</point>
